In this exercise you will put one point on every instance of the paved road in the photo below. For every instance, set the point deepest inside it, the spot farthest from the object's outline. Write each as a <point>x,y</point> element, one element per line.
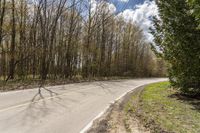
<point>60,109</point>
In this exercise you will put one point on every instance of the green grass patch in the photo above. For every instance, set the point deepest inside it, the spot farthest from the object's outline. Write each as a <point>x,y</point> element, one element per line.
<point>164,109</point>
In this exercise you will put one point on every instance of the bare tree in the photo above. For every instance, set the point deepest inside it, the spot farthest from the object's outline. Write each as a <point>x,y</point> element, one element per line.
<point>61,39</point>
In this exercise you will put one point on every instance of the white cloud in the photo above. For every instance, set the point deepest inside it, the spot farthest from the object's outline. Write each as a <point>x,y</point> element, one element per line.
<point>93,5</point>
<point>141,15</point>
<point>111,7</point>
<point>124,0</point>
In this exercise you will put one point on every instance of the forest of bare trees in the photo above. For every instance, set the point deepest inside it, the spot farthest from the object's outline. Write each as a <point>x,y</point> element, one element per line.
<point>58,39</point>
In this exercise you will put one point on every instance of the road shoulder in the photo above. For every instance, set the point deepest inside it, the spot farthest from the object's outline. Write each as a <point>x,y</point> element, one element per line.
<point>117,120</point>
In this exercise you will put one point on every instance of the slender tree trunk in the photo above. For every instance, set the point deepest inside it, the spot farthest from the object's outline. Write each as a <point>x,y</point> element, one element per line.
<point>2,14</point>
<point>12,48</point>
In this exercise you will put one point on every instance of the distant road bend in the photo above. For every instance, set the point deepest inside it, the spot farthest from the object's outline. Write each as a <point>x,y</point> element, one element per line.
<point>61,109</point>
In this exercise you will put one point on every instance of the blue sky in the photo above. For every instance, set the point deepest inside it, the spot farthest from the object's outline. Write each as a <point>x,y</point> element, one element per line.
<point>121,6</point>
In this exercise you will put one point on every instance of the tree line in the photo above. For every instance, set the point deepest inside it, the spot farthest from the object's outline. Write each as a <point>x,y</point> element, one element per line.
<point>58,39</point>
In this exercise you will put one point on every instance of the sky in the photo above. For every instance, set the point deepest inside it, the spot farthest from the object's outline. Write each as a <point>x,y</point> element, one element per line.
<point>125,4</point>
<point>138,11</point>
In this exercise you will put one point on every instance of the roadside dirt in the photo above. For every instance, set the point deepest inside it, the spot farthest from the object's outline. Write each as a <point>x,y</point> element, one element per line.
<point>117,120</point>
<point>30,84</point>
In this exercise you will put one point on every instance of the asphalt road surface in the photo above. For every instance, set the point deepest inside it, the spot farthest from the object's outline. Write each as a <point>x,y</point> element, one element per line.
<point>61,109</point>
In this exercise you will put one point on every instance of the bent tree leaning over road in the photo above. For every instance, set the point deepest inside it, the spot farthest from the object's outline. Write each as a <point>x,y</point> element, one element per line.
<point>58,39</point>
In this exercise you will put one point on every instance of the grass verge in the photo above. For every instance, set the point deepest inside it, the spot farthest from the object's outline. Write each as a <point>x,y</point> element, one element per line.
<point>162,109</point>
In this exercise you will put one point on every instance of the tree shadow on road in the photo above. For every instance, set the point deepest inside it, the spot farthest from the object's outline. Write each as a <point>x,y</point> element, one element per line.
<point>44,103</point>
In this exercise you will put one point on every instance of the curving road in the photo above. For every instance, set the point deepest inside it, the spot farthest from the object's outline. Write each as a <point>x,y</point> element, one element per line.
<point>61,109</point>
